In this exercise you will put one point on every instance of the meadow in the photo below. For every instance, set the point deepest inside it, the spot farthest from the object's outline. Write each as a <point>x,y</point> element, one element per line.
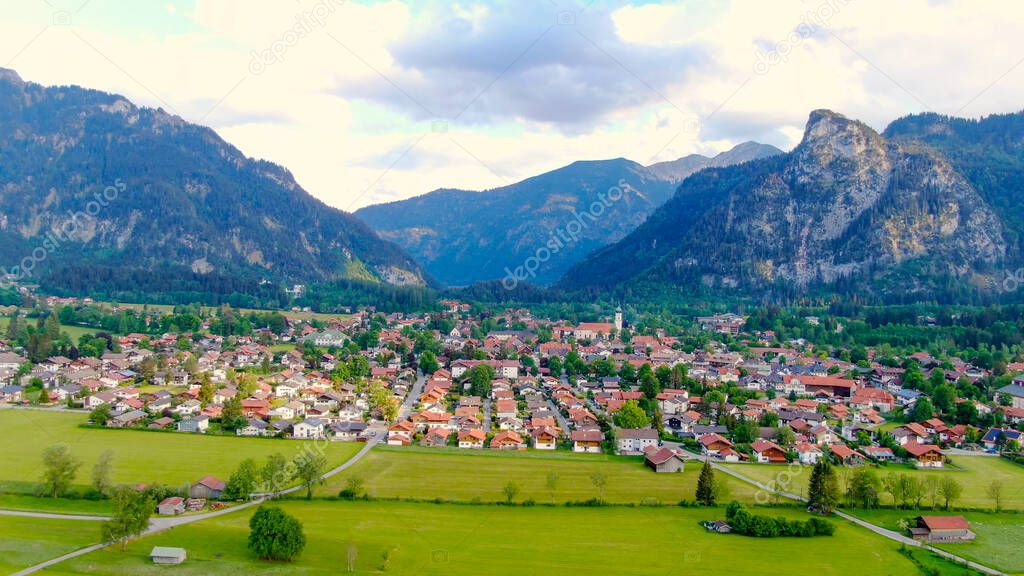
<point>998,535</point>
<point>140,456</point>
<point>973,472</point>
<point>468,475</point>
<point>454,540</point>
<point>28,541</point>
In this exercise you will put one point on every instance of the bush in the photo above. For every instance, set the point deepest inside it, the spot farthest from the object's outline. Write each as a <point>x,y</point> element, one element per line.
<point>747,524</point>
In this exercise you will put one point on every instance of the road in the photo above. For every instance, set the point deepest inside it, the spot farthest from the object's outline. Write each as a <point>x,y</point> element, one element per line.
<point>166,523</point>
<point>563,422</point>
<point>486,423</point>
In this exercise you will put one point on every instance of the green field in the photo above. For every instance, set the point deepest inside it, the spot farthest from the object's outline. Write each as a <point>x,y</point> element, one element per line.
<point>28,541</point>
<point>73,332</point>
<point>973,472</point>
<point>56,505</point>
<point>998,535</point>
<point>465,475</point>
<point>139,456</point>
<point>453,540</point>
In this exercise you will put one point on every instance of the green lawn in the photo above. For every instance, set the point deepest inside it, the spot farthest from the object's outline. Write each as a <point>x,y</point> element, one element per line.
<point>73,332</point>
<point>55,505</point>
<point>139,456</point>
<point>453,540</point>
<point>997,544</point>
<point>465,475</point>
<point>973,472</point>
<point>25,542</point>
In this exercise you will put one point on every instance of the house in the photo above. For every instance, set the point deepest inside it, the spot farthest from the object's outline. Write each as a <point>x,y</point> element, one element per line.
<point>713,444</point>
<point>171,506</point>
<point>877,398</point>
<point>400,433</point>
<point>768,452</point>
<point>199,424</point>
<point>505,409</point>
<point>255,427</point>
<point>996,437</point>
<point>208,487</point>
<point>161,423</point>
<point>309,428</point>
<point>545,438</point>
<point>942,529</point>
<point>926,455</point>
<point>1014,391</point>
<point>909,433</point>
<point>127,419</point>
<point>167,555</point>
<point>664,460</point>
<point>507,440</point>
<point>587,440</point>
<point>472,438</point>
<point>436,437</point>
<point>635,440</point>
<point>348,431</point>
<point>847,456</point>
<point>808,453</point>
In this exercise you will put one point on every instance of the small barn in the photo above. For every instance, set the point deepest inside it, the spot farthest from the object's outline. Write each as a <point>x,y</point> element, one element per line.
<point>167,555</point>
<point>664,460</point>
<point>942,529</point>
<point>208,487</point>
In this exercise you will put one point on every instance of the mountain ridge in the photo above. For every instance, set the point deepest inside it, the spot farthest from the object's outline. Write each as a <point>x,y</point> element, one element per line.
<point>463,236</point>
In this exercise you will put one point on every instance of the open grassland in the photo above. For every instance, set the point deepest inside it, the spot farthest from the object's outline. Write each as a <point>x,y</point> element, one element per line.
<point>453,540</point>
<point>25,542</point>
<point>55,505</point>
<point>973,472</point>
<point>998,535</point>
<point>139,456</point>
<point>73,332</point>
<point>467,475</point>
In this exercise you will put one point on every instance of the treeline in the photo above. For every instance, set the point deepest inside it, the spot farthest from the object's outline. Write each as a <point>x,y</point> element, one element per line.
<point>743,522</point>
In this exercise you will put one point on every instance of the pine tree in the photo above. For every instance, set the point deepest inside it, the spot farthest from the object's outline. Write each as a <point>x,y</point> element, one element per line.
<point>52,326</point>
<point>14,327</point>
<point>823,491</point>
<point>706,485</point>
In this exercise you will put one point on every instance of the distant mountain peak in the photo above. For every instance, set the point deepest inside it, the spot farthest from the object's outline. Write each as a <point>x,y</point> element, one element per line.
<point>677,170</point>
<point>10,76</point>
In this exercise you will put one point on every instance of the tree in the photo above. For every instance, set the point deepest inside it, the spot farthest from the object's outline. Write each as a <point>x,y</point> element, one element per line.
<point>132,510</point>
<point>784,436</point>
<point>923,410</point>
<point>309,467</point>
<point>552,483</point>
<point>101,414</point>
<point>823,490</point>
<point>59,469</point>
<point>243,480</point>
<point>555,366</point>
<point>428,362</point>
<point>275,535</point>
<point>950,491</point>
<point>994,490</point>
<point>274,473</point>
<point>864,487</point>
<point>510,490</point>
<point>599,480</point>
<point>631,415</point>
<point>101,473</point>
<point>231,417</point>
<point>706,493</point>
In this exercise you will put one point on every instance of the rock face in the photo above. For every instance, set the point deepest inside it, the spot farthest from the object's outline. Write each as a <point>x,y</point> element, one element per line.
<point>542,225</point>
<point>846,206</point>
<point>90,181</point>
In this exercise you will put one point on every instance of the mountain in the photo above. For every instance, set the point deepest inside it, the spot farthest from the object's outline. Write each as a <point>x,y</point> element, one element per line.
<point>90,182</point>
<point>848,207</point>
<point>539,227</point>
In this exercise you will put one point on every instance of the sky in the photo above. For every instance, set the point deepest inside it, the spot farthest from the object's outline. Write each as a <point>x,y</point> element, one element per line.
<point>369,102</point>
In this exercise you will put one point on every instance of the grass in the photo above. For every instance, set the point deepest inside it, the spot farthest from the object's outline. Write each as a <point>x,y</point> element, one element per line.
<point>55,505</point>
<point>454,540</point>
<point>973,472</point>
<point>25,542</point>
<point>464,475</point>
<point>73,332</point>
<point>139,456</point>
<point>997,544</point>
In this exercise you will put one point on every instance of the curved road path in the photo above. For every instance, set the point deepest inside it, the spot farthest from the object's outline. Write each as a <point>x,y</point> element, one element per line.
<point>162,524</point>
